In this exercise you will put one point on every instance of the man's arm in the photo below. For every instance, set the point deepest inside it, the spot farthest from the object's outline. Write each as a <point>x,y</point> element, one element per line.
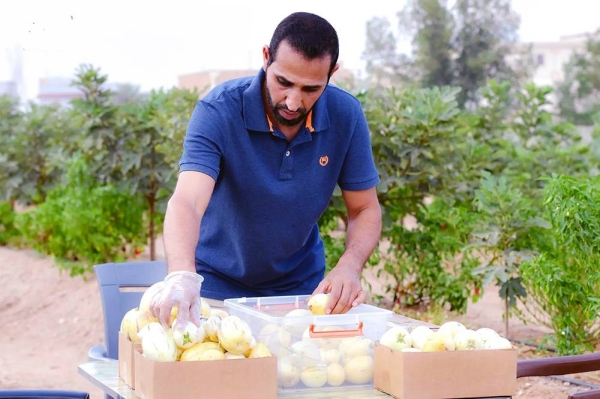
<point>180,235</point>
<point>183,217</point>
<point>362,234</point>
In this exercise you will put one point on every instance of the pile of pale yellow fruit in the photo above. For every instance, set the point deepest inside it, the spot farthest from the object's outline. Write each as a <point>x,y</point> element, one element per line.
<point>219,335</point>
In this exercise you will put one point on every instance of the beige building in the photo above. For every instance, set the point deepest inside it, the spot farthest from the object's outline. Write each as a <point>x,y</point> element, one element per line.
<point>206,80</point>
<point>551,57</point>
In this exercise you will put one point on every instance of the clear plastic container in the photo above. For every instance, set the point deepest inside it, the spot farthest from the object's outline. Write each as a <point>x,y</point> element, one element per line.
<point>314,352</point>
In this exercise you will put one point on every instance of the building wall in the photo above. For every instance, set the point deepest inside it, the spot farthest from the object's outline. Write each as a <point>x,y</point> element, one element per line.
<point>551,57</point>
<point>57,90</point>
<point>206,80</point>
<point>9,88</point>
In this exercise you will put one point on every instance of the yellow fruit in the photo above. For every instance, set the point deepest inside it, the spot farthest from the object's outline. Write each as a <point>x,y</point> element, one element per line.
<point>259,350</point>
<point>359,370</point>
<point>133,321</point>
<point>314,376</point>
<point>317,304</point>
<point>288,374</point>
<point>234,335</point>
<point>336,375</point>
<point>195,351</point>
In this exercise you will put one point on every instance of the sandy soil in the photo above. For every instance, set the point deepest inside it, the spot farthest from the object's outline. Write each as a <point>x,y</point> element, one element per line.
<point>50,320</point>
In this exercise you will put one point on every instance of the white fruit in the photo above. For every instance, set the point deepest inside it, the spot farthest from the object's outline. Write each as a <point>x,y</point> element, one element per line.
<point>306,349</point>
<point>211,326</point>
<point>149,327</point>
<point>217,312</point>
<point>234,335</point>
<point>158,345</point>
<point>419,335</point>
<point>438,342</point>
<point>468,340</point>
<point>330,356</point>
<point>497,343</point>
<point>149,293</point>
<point>288,374</point>
<point>396,338</point>
<point>359,370</point>
<point>487,333</point>
<point>274,337</point>
<point>451,328</point>
<point>361,347</point>
<point>336,375</point>
<point>314,376</point>
<point>189,335</point>
<point>293,326</point>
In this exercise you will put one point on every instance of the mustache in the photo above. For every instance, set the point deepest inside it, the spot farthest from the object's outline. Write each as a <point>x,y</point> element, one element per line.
<point>285,108</point>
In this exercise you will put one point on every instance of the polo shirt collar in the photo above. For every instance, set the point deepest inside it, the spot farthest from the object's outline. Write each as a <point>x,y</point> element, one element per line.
<point>255,114</point>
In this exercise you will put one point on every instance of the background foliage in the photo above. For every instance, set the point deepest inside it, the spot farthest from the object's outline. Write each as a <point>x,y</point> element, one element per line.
<point>482,186</point>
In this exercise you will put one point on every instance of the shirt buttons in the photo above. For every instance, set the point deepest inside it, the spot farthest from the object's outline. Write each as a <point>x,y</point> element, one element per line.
<point>287,153</point>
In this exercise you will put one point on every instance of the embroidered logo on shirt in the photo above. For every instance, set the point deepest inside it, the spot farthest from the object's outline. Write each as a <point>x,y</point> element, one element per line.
<point>324,160</point>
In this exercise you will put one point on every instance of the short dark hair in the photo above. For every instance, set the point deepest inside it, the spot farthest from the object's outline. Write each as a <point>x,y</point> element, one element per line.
<point>309,34</point>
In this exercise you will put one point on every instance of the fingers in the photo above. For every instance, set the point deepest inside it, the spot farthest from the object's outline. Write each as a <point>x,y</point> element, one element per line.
<point>360,298</point>
<point>345,298</point>
<point>183,316</point>
<point>194,313</point>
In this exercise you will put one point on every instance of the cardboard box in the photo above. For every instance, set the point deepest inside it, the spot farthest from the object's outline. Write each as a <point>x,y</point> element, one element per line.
<point>434,375</point>
<point>224,379</point>
<point>126,359</point>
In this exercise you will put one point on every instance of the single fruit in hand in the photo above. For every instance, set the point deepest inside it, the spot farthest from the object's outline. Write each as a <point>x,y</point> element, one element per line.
<point>317,304</point>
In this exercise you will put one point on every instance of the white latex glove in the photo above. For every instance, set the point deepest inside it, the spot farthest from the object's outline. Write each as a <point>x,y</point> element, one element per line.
<point>181,291</point>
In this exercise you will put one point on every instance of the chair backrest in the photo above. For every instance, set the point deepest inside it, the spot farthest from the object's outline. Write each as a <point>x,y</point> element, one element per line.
<point>42,394</point>
<point>113,280</point>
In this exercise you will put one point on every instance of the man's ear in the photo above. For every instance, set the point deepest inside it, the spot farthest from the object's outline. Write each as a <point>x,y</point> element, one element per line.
<point>266,54</point>
<point>335,68</point>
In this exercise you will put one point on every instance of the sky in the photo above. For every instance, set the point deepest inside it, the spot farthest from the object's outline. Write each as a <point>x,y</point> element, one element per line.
<point>149,43</point>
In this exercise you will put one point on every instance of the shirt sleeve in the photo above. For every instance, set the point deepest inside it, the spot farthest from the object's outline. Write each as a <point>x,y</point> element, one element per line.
<point>359,171</point>
<point>203,143</point>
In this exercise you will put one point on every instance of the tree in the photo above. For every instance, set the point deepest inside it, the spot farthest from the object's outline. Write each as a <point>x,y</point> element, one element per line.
<point>430,23</point>
<point>485,35</point>
<point>10,118</point>
<point>463,46</point>
<point>579,92</point>
<point>384,63</point>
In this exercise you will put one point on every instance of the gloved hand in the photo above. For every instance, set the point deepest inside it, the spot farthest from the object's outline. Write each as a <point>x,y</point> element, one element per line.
<point>181,291</point>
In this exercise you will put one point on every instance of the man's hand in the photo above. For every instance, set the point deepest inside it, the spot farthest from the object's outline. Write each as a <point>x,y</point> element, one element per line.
<point>181,291</point>
<point>344,289</point>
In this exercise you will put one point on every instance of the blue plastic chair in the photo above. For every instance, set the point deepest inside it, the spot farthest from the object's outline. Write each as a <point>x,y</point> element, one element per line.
<point>114,279</point>
<point>42,394</point>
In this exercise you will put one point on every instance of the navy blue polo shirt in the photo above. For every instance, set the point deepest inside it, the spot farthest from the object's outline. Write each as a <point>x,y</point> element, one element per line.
<point>259,234</point>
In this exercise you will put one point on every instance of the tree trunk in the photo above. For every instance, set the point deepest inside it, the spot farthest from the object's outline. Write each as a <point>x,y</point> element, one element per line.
<point>151,230</point>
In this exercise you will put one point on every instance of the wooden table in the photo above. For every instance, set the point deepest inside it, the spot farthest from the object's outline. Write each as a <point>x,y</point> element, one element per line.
<point>105,375</point>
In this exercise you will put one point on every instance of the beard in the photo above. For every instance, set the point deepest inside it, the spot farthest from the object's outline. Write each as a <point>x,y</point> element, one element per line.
<point>278,117</point>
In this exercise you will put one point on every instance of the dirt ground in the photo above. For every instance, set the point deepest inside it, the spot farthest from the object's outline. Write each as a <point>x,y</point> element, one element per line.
<point>50,320</point>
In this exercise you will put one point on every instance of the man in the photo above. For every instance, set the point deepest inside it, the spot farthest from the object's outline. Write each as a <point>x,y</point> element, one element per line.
<point>262,157</point>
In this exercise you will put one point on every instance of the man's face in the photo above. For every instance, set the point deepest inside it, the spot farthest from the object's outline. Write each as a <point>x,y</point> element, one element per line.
<point>293,84</point>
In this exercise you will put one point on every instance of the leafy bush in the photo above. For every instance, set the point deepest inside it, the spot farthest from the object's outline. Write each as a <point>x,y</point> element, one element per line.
<point>564,280</point>
<point>8,232</point>
<point>83,223</point>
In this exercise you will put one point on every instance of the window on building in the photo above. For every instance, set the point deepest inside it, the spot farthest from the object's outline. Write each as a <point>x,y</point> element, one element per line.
<point>540,59</point>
